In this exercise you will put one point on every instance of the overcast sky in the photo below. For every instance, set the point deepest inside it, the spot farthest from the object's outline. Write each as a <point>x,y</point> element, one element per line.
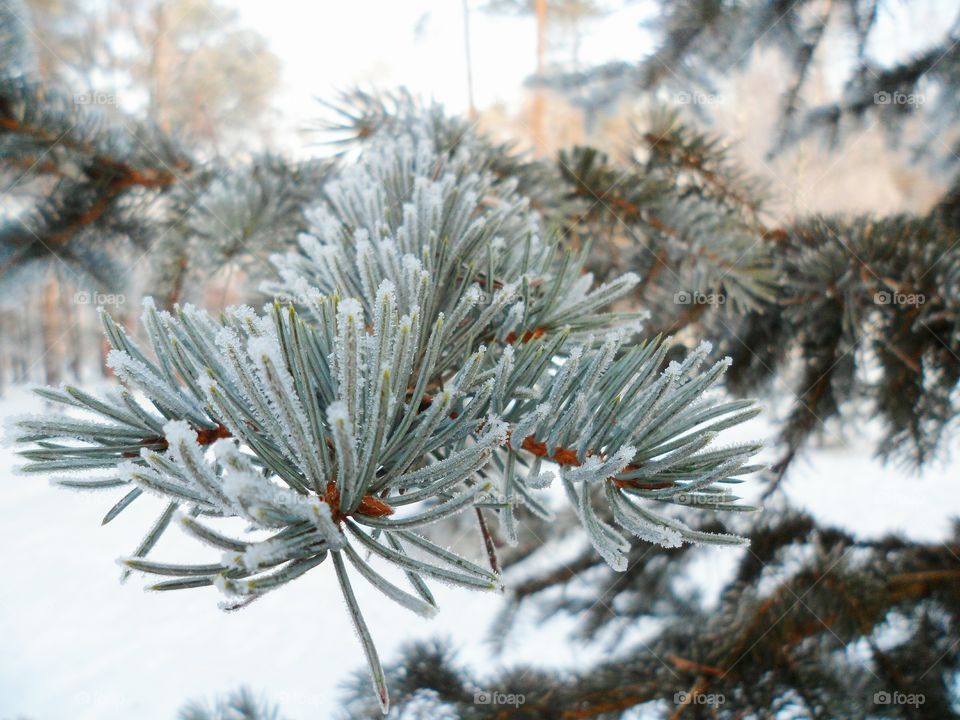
<point>326,45</point>
<point>329,45</point>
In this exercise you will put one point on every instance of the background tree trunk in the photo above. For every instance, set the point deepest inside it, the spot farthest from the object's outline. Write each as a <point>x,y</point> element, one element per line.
<point>52,338</point>
<point>537,112</point>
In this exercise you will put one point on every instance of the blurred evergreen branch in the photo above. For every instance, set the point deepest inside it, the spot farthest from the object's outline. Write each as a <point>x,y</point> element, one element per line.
<point>812,623</point>
<point>701,42</point>
<point>238,705</point>
<point>91,190</point>
<point>839,309</point>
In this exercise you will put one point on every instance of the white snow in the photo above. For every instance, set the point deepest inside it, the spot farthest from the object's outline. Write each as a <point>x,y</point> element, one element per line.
<point>80,645</point>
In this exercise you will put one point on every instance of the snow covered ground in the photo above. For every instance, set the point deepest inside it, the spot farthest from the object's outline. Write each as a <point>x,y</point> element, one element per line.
<point>80,646</point>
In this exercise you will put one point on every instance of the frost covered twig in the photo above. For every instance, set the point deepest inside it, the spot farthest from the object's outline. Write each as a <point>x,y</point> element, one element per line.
<point>396,390</point>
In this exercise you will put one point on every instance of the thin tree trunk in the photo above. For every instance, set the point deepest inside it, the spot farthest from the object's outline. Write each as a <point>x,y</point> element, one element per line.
<point>51,324</point>
<point>469,58</point>
<point>6,349</point>
<point>537,112</point>
<point>70,316</point>
<point>159,70</point>
<point>22,348</point>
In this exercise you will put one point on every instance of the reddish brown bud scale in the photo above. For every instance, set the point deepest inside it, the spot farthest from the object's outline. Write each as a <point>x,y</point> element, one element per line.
<point>373,507</point>
<point>561,456</point>
<point>369,505</point>
<point>527,335</point>
<point>566,456</point>
<point>205,436</point>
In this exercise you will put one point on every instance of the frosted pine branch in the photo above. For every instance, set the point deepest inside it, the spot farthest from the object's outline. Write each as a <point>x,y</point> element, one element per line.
<point>431,350</point>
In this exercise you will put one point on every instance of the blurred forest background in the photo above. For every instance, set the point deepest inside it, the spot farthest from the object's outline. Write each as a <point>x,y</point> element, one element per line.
<point>202,77</point>
<point>797,160</point>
